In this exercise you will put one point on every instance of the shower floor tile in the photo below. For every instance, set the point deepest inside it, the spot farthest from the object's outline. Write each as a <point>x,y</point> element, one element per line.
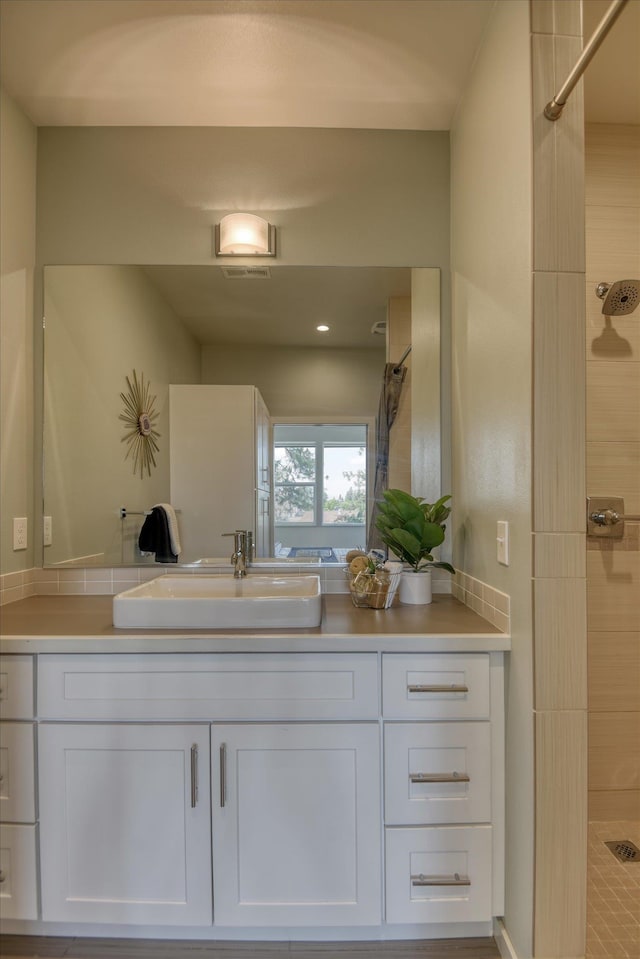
<point>613,894</point>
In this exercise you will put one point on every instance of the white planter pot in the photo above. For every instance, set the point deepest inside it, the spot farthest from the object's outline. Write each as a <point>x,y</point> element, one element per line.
<point>415,588</point>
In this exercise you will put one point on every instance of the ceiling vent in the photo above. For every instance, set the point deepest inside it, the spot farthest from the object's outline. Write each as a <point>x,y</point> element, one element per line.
<point>246,272</point>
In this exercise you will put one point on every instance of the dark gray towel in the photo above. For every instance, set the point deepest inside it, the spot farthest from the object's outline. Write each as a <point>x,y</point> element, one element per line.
<point>155,538</point>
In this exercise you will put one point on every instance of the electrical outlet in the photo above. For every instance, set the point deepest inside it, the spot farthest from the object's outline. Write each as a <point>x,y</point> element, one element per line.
<point>47,535</point>
<point>19,532</point>
<point>502,541</point>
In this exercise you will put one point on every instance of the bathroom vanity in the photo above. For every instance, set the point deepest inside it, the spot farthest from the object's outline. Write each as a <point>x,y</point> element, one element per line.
<point>339,782</point>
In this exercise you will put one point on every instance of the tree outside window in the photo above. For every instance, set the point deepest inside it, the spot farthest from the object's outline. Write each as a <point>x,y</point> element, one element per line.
<point>323,484</point>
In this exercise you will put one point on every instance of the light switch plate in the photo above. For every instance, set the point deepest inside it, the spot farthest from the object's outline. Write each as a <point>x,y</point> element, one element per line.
<point>502,542</point>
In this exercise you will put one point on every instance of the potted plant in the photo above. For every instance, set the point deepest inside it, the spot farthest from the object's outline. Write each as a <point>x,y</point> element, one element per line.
<point>412,529</point>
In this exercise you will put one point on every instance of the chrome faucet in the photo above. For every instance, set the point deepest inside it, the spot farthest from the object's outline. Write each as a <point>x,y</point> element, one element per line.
<point>242,548</point>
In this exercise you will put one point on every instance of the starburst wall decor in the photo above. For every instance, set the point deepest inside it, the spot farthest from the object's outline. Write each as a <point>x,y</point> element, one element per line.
<point>140,418</point>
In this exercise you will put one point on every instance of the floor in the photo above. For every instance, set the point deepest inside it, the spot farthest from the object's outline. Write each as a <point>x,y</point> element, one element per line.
<point>613,894</point>
<point>36,947</point>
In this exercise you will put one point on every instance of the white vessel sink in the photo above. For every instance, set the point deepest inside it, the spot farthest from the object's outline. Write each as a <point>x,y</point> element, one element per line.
<point>220,602</point>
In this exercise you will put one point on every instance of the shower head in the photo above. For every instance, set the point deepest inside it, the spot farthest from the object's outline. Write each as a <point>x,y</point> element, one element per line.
<point>619,298</point>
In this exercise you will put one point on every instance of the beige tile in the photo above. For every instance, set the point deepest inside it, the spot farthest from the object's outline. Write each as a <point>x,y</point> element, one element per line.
<point>561,833</point>
<point>614,671</point>
<point>544,157</point>
<point>613,468</point>
<point>614,750</point>
<point>613,242</point>
<point>70,576</point>
<point>559,554</point>
<point>612,173</point>
<point>614,588</point>
<point>606,805</point>
<point>542,18</point>
<point>570,212</point>
<point>613,401</point>
<point>559,371</point>
<point>560,643</point>
<point>568,18</point>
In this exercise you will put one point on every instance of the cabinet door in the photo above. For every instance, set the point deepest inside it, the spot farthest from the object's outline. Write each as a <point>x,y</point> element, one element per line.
<point>124,824</point>
<point>17,790</point>
<point>263,445</point>
<point>263,537</point>
<point>296,825</point>
<point>18,883</point>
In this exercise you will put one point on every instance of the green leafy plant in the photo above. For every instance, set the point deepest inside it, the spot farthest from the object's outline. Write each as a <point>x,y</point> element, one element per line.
<point>412,528</point>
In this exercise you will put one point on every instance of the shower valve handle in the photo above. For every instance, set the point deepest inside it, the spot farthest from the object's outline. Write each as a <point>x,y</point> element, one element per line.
<point>609,517</point>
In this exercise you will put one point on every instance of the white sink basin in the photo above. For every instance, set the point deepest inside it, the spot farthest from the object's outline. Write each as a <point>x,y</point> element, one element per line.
<point>220,602</point>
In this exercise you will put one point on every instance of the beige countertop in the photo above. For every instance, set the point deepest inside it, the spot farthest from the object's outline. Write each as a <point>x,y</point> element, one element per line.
<point>83,624</point>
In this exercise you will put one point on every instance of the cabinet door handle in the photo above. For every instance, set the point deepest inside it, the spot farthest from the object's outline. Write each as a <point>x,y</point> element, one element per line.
<point>223,774</point>
<point>194,776</point>
<point>455,880</point>
<point>453,777</point>
<point>2,876</point>
<point>452,688</point>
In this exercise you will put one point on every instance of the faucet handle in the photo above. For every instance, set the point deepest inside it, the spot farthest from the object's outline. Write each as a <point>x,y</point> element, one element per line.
<point>241,538</point>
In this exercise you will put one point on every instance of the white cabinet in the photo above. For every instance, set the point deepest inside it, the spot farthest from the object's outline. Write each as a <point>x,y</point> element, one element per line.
<point>439,874</point>
<point>220,466</point>
<point>18,879</point>
<point>261,771</point>
<point>17,792</point>
<point>18,883</point>
<point>296,824</point>
<point>125,823</point>
<point>444,779</point>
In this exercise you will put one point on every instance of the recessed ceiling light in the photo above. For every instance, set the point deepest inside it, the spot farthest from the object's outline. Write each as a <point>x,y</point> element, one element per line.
<point>322,328</point>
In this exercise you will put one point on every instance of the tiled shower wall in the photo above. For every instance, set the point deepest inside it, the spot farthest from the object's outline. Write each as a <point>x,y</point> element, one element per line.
<point>613,468</point>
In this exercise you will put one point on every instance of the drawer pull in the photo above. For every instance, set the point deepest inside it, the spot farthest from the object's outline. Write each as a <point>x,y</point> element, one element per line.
<point>194,776</point>
<point>223,774</point>
<point>2,876</point>
<point>453,777</point>
<point>455,880</point>
<point>437,688</point>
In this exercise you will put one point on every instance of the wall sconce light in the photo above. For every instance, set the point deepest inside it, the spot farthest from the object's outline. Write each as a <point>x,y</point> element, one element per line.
<point>244,234</point>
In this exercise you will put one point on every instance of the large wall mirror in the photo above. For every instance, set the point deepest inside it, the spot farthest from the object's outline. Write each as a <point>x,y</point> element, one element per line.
<point>222,325</point>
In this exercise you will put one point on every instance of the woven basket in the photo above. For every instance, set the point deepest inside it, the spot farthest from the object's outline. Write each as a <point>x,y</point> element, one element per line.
<point>373,590</point>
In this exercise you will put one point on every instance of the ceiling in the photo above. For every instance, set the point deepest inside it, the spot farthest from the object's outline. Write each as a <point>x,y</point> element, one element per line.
<point>284,309</point>
<point>375,64</point>
<point>380,64</point>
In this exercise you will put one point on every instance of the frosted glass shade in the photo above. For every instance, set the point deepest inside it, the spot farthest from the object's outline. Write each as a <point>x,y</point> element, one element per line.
<point>244,234</point>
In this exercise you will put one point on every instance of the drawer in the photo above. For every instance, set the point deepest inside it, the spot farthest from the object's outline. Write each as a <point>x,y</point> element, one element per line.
<point>209,686</point>
<point>18,890</point>
<point>16,687</point>
<point>431,686</point>
<point>17,792</point>
<point>437,773</point>
<point>438,874</point>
